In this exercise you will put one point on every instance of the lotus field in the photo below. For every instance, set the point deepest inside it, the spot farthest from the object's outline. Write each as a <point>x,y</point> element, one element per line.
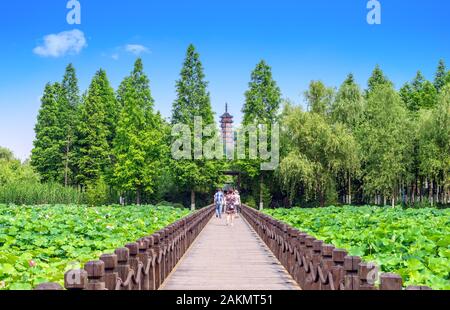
<point>414,243</point>
<point>39,243</point>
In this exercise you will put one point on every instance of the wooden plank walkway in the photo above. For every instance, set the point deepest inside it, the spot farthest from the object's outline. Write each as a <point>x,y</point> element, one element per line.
<point>229,258</point>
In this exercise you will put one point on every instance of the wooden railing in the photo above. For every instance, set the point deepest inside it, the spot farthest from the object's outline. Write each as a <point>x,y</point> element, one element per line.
<point>140,265</point>
<point>315,265</point>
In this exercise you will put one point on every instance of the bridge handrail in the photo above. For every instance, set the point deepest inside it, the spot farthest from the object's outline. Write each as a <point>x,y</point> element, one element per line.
<point>315,265</point>
<point>140,265</point>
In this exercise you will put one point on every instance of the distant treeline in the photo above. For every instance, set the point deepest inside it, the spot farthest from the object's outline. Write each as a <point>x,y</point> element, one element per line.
<point>377,145</point>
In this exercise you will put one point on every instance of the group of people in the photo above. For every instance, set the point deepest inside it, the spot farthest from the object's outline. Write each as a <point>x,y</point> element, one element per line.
<point>228,202</point>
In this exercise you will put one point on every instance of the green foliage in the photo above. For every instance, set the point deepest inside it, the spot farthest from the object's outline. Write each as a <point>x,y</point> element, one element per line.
<point>97,193</point>
<point>419,94</point>
<point>440,78</point>
<point>414,243</point>
<point>377,79</point>
<point>348,107</point>
<point>26,192</point>
<point>319,98</point>
<point>38,244</point>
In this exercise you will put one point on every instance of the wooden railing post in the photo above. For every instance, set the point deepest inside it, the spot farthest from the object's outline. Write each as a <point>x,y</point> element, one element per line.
<point>144,258</point>
<point>123,266</point>
<point>326,266</point>
<point>338,269</point>
<point>95,272</point>
<point>390,282</point>
<point>351,267</point>
<point>133,260</point>
<point>111,275</point>
<point>156,248</point>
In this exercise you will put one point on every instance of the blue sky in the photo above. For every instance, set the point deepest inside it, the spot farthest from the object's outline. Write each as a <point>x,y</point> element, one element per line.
<point>301,40</point>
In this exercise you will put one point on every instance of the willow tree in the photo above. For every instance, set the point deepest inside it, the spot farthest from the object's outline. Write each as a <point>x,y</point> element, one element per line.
<point>385,137</point>
<point>348,109</point>
<point>319,151</point>
<point>441,120</point>
<point>319,98</point>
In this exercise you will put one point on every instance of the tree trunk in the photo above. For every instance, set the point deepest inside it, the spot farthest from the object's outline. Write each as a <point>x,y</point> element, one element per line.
<point>384,200</point>
<point>261,188</point>
<point>437,193</point>
<point>66,166</point>
<point>138,196</point>
<point>349,190</point>
<point>420,187</point>
<point>430,193</point>
<point>192,200</point>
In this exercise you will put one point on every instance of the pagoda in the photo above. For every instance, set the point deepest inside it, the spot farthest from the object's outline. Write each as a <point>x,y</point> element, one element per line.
<point>226,124</point>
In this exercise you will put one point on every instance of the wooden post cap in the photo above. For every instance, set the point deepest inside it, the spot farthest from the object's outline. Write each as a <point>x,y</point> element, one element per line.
<point>327,250</point>
<point>133,248</point>
<point>390,281</point>
<point>309,241</point>
<point>122,254</point>
<point>317,245</point>
<point>338,255</point>
<point>110,261</point>
<point>95,269</point>
<point>351,263</point>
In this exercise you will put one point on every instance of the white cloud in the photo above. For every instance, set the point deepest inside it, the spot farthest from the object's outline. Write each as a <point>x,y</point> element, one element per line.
<point>136,49</point>
<point>57,45</point>
<point>115,56</point>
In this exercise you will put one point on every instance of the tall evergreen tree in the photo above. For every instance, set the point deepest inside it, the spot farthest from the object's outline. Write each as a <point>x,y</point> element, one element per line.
<point>95,130</point>
<point>441,76</point>
<point>419,94</point>
<point>69,101</point>
<point>378,78</point>
<point>261,107</point>
<point>193,100</point>
<point>47,157</point>
<point>138,143</point>
<point>263,98</point>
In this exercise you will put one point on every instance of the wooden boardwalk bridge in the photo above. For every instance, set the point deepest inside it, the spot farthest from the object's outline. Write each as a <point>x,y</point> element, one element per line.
<point>199,252</point>
<point>229,258</point>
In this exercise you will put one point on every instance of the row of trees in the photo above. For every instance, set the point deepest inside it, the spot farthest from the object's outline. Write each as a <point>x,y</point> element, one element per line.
<point>370,146</point>
<point>116,141</point>
<point>351,145</point>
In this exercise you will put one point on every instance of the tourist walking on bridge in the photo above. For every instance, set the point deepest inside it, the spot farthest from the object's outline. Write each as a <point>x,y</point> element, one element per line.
<point>238,201</point>
<point>218,202</point>
<point>230,200</point>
